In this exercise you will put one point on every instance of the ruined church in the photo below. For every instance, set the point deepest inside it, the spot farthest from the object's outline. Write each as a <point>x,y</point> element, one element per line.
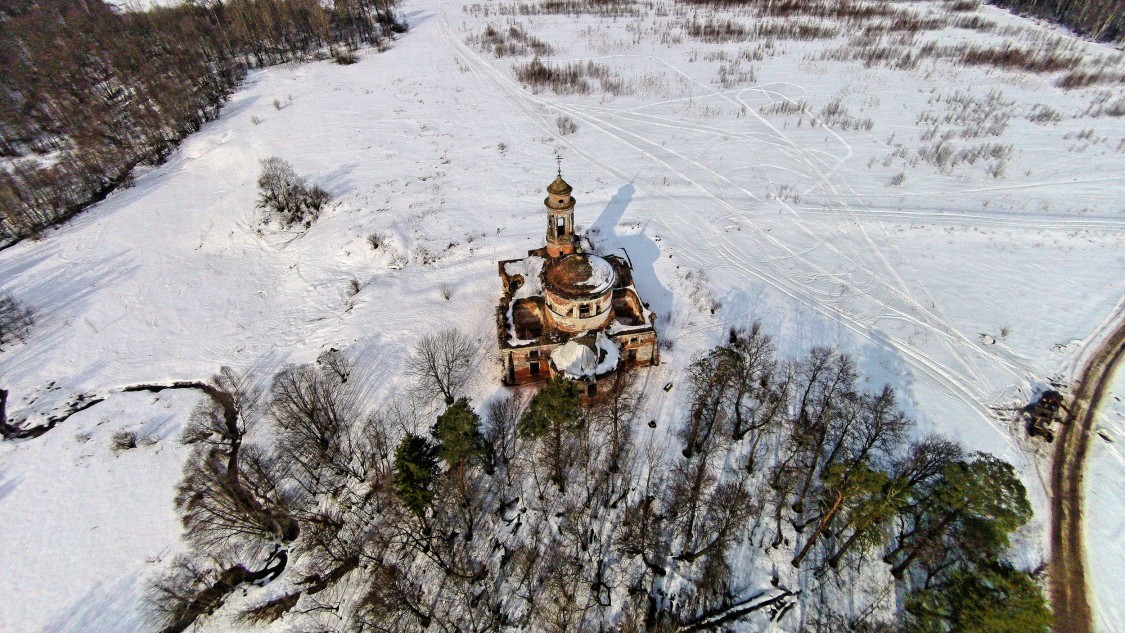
<point>568,312</point>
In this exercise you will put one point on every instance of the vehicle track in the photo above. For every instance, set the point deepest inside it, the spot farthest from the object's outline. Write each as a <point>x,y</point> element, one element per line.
<point>803,279</point>
<point>1068,572</point>
<point>1068,563</point>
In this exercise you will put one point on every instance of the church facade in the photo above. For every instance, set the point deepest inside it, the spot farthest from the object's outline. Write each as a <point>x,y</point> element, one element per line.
<point>566,311</point>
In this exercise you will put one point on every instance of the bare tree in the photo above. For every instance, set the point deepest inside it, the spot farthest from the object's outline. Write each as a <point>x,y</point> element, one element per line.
<point>285,196</point>
<point>711,378</point>
<point>643,530</point>
<point>316,414</point>
<point>175,595</point>
<point>500,434</point>
<point>16,319</point>
<point>441,363</point>
<point>250,511</point>
<point>335,361</point>
<point>825,384</point>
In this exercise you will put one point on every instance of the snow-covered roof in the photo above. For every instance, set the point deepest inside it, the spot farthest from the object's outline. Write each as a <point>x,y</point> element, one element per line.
<point>530,268</point>
<point>581,275</point>
<point>577,359</point>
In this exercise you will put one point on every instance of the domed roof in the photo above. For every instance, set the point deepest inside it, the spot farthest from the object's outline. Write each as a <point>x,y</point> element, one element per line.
<point>559,187</point>
<point>581,275</point>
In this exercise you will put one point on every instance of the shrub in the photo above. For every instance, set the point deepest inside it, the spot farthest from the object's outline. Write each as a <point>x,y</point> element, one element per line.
<point>124,441</point>
<point>344,57</point>
<point>16,319</point>
<point>566,125</point>
<point>286,197</point>
<point>515,41</point>
<point>572,78</point>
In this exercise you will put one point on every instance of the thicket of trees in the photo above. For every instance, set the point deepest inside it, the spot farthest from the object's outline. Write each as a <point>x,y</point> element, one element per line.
<point>1099,19</point>
<point>546,514</point>
<point>286,197</point>
<point>89,92</point>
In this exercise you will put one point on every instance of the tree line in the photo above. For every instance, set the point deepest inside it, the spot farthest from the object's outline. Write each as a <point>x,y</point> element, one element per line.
<point>542,513</point>
<point>1102,20</point>
<point>89,92</point>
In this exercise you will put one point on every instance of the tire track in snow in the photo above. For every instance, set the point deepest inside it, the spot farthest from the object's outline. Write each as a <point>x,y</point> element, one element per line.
<point>936,372</point>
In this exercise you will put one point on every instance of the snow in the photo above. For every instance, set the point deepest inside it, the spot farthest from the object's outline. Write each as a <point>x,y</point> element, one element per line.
<point>964,291</point>
<point>531,268</point>
<point>579,360</point>
<point>608,352</point>
<point>602,276</point>
<point>84,525</point>
<point>1105,522</point>
<point>574,359</point>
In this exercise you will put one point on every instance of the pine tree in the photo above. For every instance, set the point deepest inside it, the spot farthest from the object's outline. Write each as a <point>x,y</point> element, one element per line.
<point>971,508</point>
<point>416,466</point>
<point>457,432</point>
<point>558,404</point>
<point>994,598</point>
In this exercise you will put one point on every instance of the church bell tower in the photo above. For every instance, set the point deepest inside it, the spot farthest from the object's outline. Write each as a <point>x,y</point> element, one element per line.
<point>560,217</point>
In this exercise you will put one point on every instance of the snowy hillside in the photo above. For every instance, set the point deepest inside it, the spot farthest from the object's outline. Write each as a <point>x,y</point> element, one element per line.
<point>785,183</point>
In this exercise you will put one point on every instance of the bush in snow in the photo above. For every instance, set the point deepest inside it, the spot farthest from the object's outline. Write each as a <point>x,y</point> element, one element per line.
<point>286,197</point>
<point>16,319</point>
<point>124,440</point>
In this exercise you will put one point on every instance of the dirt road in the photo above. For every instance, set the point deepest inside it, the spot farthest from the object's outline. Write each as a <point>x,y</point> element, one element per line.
<point>1068,566</point>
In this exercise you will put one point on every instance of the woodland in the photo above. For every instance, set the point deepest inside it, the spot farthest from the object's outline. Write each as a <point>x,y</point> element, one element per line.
<point>537,511</point>
<point>90,93</point>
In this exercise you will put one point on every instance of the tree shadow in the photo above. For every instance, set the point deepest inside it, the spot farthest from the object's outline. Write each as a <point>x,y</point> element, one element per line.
<point>414,19</point>
<point>103,608</point>
<point>880,361</point>
<point>60,295</point>
<point>8,484</point>
<point>338,181</point>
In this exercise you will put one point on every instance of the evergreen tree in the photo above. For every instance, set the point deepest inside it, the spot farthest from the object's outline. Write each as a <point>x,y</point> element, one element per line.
<point>994,598</point>
<point>457,432</point>
<point>557,405</point>
<point>968,511</point>
<point>848,488</point>
<point>416,467</point>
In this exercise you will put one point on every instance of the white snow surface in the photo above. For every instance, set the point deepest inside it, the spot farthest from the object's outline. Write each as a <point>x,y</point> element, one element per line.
<point>602,276</point>
<point>1105,522</point>
<point>574,359</point>
<point>612,354</point>
<point>578,360</point>
<point>964,291</point>
<point>531,269</point>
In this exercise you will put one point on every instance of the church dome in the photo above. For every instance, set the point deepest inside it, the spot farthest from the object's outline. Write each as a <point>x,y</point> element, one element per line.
<point>559,187</point>
<point>580,275</point>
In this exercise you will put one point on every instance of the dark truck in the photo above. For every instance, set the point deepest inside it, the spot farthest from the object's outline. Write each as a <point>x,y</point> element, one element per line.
<point>1043,413</point>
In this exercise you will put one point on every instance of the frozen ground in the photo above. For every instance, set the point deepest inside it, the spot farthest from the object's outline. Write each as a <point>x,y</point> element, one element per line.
<point>964,290</point>
<point>1105,488</point>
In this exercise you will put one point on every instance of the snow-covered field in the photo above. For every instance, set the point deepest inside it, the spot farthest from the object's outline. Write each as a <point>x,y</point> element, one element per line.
<point>1105,489</point>
<point>964,289</point>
